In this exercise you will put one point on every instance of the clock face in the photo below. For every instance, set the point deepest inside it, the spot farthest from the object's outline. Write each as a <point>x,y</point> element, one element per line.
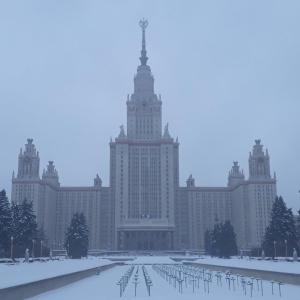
<point>27,159</point>
<point>261,160</point>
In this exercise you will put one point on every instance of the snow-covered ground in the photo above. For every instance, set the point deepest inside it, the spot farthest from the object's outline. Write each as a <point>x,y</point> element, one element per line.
<point>104,286</point>
<point>268,265</point>
<point>11,275</point>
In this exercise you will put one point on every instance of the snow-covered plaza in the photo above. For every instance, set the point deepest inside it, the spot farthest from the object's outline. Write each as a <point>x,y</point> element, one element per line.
<point>155,277</point>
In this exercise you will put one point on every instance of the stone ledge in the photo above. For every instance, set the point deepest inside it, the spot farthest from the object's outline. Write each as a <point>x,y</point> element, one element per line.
<point>27,290</point>
<point>289,278</point>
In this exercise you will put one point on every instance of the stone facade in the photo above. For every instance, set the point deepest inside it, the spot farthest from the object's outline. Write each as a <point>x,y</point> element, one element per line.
<point>144,208</point>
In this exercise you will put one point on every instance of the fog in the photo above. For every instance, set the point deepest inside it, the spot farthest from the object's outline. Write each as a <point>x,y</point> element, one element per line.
<point>227,72</point>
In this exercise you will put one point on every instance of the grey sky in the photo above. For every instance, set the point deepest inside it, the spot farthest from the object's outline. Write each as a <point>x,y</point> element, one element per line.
<point>228,73</point>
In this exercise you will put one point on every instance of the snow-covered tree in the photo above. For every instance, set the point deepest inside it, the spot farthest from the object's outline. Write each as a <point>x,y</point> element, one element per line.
<point>223,240</point>
<point>281,228</point>
<point>5,223</point>
<point>25,225</point>
<point>77,236</point>
<point>215,240</point>
<point>41,236</point>
<point>207,241</point>
<point>298,226</point>
<point>228,245</point>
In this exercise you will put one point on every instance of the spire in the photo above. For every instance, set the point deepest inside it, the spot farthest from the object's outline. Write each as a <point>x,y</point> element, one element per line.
<point>143,24</point>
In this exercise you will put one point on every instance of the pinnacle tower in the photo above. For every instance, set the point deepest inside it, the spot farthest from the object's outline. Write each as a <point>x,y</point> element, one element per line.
<point>144,116</point>
<point>144,166</point>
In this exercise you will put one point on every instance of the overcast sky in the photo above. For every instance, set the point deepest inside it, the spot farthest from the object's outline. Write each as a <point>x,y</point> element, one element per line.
<point>228,73</point>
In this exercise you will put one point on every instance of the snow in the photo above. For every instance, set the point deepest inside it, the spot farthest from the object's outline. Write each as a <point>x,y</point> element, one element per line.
<point>268,265</point>
<point>104,286</point>
<point>12,275</point>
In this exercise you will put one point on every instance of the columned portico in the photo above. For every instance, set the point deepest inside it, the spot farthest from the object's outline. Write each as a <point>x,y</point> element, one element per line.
<point>145,240</point>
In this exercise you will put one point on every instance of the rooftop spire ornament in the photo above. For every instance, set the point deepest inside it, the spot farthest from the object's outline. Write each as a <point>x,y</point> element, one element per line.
<point>143,24</point>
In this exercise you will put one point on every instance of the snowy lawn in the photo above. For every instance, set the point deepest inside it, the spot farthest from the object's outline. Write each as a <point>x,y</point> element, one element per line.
<point>268,265</point>
<point>11,275</point>
<point>104,286</point>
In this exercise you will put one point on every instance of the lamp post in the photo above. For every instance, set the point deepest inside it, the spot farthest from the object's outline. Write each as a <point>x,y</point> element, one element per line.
<point>250,251</point>
<point>285,249</point>
<point>11,246</point>
<point>32,248</point>
<point>274,249</point>
<point>41,248</point>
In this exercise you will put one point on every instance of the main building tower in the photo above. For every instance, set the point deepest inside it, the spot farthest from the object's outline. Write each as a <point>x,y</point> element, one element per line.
<point>144,169</point>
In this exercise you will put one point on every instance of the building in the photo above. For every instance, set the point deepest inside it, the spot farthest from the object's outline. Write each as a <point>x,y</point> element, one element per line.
<point>144,208</point>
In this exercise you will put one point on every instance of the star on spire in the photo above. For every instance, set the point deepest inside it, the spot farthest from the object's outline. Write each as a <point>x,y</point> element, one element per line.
<point>143,24</point>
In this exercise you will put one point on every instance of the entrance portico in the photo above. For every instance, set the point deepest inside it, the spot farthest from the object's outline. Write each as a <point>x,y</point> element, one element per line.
<point>145,240</point>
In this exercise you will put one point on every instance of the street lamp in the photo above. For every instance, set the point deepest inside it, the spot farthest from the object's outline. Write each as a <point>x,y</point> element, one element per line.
<point>250,251</point>
<point>41,248</point>
<point>32,248</point>
<point>285,249</point>
<point>11,246</point>
<point>274,249</point>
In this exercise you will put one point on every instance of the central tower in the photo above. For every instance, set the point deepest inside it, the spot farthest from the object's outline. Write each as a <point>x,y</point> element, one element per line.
<point>144,170</point>
<point>143,107</point>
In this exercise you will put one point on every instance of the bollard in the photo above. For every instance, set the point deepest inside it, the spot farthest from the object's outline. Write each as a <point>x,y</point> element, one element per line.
<point>237,278</point>
<point>198,278</point>
<point>233,279</point>
<point>279,284</point>
<point>120,284</point>
<point>250,284</point>
<point>180,285</point>
<point>149,286</point>
<point>243,282</point>
<point>272,282</point>
<point>261,287</point>
<point>228,279</point>
<point>185,277</point>
<point>193,280</point>
<point>207,285</point>
<point>135,286</point>
<point>257,280</point>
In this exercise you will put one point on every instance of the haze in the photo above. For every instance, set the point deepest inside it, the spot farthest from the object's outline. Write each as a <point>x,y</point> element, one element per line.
<point>227,72</point>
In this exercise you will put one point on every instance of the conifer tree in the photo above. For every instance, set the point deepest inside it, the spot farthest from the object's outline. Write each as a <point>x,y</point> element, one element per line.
<point>298,226</point>
<point>77,236</point>
<point>41,236</point>
<point>281,228</point>
<point>25,225</point>
<point>228,245</point>
<point>207,241</point>
<point>6,224</point>
<point>223,240</point>
<point>215,240</point>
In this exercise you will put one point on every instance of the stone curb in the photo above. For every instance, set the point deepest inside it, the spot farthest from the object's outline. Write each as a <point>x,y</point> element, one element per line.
<point>31,289</point>
<point>290,278</point>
